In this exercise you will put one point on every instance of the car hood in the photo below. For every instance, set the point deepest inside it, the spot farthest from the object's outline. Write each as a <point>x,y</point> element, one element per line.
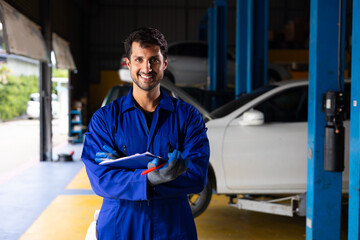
<point>187,98</point>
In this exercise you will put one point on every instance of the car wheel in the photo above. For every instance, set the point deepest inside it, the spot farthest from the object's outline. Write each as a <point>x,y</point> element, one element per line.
<point>199,202</point>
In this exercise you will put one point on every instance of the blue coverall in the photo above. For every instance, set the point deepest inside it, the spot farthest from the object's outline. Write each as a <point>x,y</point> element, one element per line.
<point>132,209</point>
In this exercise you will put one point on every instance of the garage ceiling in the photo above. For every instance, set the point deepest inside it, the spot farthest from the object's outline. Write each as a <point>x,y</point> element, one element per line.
<point>96,29</point>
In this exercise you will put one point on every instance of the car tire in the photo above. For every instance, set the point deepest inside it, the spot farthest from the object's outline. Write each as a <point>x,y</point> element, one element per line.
<point>199,202</point>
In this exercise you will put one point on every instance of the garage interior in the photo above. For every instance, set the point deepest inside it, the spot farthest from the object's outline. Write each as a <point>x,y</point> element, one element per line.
<point>314,39</point>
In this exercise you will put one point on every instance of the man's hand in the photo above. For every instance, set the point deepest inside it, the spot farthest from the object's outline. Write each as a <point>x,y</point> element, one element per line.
<point>175,166</point>
<point>108,153</point>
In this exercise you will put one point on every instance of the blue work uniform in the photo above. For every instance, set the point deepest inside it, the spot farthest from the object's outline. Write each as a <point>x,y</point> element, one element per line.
<point>132,209</point>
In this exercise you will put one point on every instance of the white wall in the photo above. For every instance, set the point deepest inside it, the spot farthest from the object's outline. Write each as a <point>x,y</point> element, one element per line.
<point>22,66</point>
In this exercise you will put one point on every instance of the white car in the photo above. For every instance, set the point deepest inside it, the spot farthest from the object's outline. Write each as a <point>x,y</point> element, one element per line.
<point>188,66</point>
<point>258,145</point>
<point>33,106</point>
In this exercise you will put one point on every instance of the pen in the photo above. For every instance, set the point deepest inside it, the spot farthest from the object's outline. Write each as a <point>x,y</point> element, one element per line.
<point>152,169</point>
<point>161,165</point>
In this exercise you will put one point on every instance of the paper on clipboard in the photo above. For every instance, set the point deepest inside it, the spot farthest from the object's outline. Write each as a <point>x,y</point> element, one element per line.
<point>136,161</point>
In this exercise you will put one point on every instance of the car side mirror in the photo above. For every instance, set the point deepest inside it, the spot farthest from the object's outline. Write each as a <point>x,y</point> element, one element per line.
<point>252,117</point>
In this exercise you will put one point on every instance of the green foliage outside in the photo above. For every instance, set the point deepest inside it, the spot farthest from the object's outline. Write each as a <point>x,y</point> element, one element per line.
<point>60,73</point>
<point>14,95</point>
<point>15,91</point>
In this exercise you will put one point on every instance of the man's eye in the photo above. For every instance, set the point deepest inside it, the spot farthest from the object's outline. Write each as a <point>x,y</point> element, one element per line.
<point>154,60</point>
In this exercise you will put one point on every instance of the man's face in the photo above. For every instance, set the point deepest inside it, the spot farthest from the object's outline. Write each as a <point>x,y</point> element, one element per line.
<point>146,66</point>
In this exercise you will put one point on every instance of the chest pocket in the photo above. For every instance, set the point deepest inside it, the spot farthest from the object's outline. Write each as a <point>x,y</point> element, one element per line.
<point>167,143</point>
<point>169,137</point>
<point>121,144</point>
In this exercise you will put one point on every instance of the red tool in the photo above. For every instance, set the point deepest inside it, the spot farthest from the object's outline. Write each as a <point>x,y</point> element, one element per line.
<point>152,169</point>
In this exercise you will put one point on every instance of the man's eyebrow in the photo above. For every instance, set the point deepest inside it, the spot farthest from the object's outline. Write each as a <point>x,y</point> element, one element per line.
<point>154,56</point>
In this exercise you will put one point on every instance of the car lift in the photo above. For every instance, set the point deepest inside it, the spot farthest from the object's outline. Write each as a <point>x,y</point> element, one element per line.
<point>251,45</point>
<point>285,206</point>
<point>354,161</point>
<point>217,50</point>
<point>326,66</point>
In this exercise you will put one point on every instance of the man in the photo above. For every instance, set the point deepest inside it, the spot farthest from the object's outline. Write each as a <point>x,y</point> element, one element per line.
<point>154,205</point>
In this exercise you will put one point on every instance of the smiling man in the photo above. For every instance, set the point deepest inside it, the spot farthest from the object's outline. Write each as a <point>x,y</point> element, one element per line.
<point>146,65</point>
<point>152,205</point>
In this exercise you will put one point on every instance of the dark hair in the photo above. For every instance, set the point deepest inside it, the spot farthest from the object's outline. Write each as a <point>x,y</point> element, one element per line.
<point>146,36</point>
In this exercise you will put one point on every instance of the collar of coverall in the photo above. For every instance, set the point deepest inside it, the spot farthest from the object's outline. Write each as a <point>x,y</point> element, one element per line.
<point>165,102</point>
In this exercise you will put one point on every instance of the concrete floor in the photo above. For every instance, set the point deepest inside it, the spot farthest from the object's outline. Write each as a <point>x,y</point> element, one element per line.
<point>20,144</point>
<point>55,201</point>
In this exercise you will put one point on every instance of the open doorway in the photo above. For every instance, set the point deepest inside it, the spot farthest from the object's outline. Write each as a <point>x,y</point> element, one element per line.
<point>60,122</point>
<point>19,138</point>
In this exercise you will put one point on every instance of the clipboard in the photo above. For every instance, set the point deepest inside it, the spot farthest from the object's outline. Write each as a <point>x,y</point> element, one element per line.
<point>136,161</point>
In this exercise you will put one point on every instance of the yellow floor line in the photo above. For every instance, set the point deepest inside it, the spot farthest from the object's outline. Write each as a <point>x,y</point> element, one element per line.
<point>80,181</point>
<point>67,217</point>
<point>221,221</point>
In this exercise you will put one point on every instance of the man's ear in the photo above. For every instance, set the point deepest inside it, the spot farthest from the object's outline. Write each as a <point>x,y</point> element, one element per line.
<point>165,63</point>
<point>127,62</point>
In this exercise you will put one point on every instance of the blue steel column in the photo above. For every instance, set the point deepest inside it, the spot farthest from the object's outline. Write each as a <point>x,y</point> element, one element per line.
<point>211,48</point>
<point>260,43</point>
<point>251,45</point>
<point>202,28</point>
<point>249,39</point>
<point>323,188</point>
<point>243,71</point>
<point>354,182</point>
<point>218,45</point>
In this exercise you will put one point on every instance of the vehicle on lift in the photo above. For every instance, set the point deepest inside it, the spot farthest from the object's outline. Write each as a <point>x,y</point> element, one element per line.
<point>258,147</point>
<point>33,106</point>
<point>188,66</point>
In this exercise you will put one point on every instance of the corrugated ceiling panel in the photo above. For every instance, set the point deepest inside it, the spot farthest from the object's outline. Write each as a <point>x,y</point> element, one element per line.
<point>22,36</point>
<point>30,8</point>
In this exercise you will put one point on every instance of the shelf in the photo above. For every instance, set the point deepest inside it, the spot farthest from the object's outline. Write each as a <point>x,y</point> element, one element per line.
<point>76,131</point>
<point>76,134</point>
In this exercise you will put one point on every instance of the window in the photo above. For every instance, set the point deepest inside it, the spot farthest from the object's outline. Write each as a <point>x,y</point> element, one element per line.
<point>288,106</point>
<point>242,100</point>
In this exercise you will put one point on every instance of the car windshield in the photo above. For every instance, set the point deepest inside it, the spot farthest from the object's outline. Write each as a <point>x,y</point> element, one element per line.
<point>235,104</point>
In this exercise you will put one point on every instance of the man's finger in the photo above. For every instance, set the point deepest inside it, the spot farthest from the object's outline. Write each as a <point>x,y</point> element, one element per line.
<point>155,161</point>
<point>101,155</point>
<point>108,149</point>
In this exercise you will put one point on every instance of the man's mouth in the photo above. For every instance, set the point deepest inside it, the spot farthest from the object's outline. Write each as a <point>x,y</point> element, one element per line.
<point>146,76</point>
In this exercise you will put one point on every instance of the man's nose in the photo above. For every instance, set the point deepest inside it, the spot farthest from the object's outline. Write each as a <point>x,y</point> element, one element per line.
<point>146,68</point>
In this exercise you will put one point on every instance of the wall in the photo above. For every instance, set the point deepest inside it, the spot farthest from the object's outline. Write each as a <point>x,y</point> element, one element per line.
<point>98,91</point>
<point>22,66</point>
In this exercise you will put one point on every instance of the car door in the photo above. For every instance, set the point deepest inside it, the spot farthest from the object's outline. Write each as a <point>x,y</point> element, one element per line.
<point>270,157</point>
